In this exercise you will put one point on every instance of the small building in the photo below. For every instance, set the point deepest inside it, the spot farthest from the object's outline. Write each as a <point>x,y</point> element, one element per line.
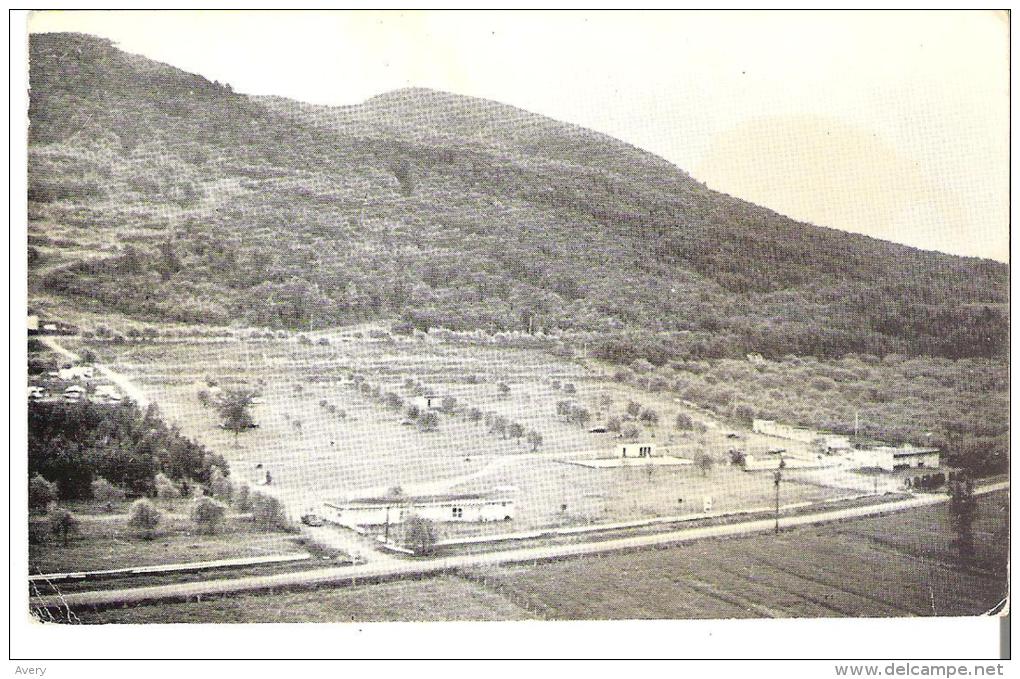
<point>36,393</point>
<point>428,401</point>
<point>33,324</point>
<point>890,458</point>
<point>74,393</point>
<point>446,508</point>
<point>834,443</point>
<point>785,431</point>
<point>635,450</point>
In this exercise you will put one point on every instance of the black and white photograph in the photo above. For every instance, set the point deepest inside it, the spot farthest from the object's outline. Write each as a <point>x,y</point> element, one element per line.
<point>351,317</point>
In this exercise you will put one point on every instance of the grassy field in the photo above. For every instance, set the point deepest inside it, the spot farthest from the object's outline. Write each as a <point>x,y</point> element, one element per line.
<point>108,542</point>
<point>321,438</point>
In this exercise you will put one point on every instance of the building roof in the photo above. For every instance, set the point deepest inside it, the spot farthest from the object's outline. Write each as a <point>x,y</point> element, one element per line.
<point>393,500</point>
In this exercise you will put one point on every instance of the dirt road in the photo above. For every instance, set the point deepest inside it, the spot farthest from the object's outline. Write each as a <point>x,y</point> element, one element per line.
<point>409,568</point>
<point>127,388</point>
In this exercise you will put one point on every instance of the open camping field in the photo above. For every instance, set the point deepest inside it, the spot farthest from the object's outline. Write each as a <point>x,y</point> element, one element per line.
<point>323,434</point>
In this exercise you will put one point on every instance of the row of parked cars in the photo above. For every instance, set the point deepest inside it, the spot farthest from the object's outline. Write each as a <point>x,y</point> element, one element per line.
<point>104,393</point>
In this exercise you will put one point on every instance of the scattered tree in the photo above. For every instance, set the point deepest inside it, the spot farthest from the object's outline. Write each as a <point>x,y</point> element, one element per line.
<point>242,498</point>
<point>40,493</point>
<point>235,410</point>
<point>144,516</point>
<point>633,408</point>
<point>516,430</point>
<point>105,492</point>
<point>614,424</point>
<point>684,422</point>
<point>420,535</point>
<point>267,512</point>
<point>649,417</point>
<point>64,524</point>
<point>504,389</point>
<point>534,440</point>
<point>219,485</point>
<point>705,463</point>
<point>208,514</point>
<point>428,421</point>
<point>166,489</point>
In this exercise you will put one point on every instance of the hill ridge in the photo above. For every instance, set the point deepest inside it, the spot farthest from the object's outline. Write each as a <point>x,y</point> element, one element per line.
<point>287,214</point>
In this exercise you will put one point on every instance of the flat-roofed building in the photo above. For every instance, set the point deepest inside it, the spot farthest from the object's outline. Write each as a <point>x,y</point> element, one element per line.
<point>497,505</point>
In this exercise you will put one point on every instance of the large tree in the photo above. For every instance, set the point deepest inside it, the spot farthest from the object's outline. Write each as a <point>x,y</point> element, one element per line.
<point>235,410</point>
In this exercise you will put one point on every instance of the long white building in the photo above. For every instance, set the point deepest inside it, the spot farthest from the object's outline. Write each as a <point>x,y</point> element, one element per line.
<point>454,507</point>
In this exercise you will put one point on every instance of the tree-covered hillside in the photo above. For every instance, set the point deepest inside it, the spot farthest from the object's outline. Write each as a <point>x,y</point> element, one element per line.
<point>162,195</point>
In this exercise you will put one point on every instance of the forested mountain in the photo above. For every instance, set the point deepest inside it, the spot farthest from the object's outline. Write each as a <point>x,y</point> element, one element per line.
<point>162,195</point>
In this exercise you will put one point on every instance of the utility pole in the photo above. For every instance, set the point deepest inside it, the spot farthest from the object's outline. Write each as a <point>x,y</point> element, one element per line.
<point>386,537</point>
<point>778,478</point>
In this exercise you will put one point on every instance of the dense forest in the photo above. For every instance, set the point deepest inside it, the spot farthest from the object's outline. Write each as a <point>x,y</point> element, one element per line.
<point>71,444</point>
<point>164,196</point>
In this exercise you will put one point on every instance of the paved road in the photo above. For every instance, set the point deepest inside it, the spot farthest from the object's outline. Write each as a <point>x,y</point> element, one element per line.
<point>127,387</point>
<point>350,575</point>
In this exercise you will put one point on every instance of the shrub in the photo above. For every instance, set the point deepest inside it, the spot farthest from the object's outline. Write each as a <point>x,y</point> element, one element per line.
<point>428,421</point>
<point>515,430</point>
<point>63,523</point>
<point>649,416</point>
<point>40,493</point>
<point>504,389</point>
<point>267,513</point>
<point>684,422</point>
<point>633,408</point>
<point>165,488</point>
<point>420,535</point>
<point>220,486</point>
<point>242,498</point>
<point>144,516</point>
<point>104,491</point>
<point>208,514</point>
<point>614,424</point>
<point>534,440</point>
<point>569,388</point>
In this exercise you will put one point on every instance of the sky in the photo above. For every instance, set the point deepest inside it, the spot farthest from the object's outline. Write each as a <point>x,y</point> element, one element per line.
<point>890,124</point>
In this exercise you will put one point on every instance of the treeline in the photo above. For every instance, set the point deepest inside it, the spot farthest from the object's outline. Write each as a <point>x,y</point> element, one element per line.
<point>960,407</point>
<point>72,444</point>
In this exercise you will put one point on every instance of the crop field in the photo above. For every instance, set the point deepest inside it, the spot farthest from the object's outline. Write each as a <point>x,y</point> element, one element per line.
<point>321,437</point>
<point>448,598</point>
<point>903,564</point>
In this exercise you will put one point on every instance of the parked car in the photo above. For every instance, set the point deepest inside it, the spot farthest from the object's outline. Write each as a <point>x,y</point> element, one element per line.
<point>313,520</point>
<point>732,435</point>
